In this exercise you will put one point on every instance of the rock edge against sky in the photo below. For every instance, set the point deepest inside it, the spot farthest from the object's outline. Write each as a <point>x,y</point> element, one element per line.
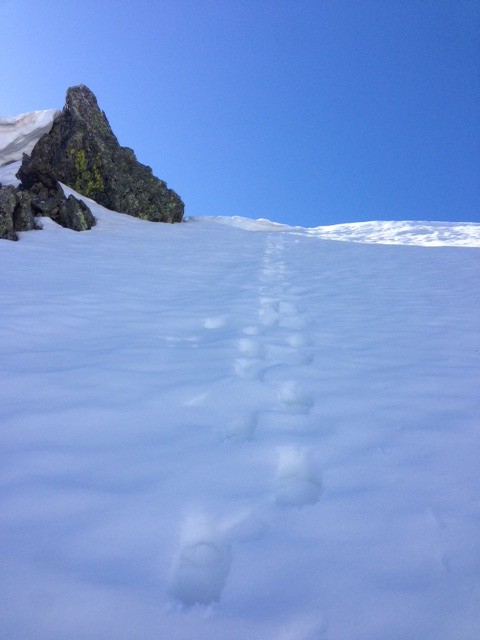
<point>81,151</point>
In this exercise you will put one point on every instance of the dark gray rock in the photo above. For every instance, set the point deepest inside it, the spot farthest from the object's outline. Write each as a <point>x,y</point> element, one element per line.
<point>7,207</point>
<point>45,190</point>
<point>74,214</point>
<point>47,197</point>
<point>16,212</point>
<point>39,194</point>
<point>82,152</point>
<point>35,173</point>
<point>24,214</point>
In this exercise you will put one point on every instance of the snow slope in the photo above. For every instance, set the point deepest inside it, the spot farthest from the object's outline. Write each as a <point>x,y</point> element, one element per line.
<point>19,134</point>
<point>235,429</point>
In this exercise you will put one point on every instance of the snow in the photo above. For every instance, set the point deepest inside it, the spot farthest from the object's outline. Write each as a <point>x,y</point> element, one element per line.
<point>8,174</point>
<point>238,429</point>
<point>419,233</point>
<point>19,134</point>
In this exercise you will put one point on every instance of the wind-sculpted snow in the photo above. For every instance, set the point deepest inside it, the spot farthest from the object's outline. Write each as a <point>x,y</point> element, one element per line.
<point>274,438</point>
<point>407,232</point>
<point>19,134</point>
<point>428,234</point>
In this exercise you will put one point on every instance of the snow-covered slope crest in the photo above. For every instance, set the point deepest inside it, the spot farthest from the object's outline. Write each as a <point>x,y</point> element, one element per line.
<point>31,126</point>
<point>413,232</point>
<point>405,232</point>
<point>19,134</point>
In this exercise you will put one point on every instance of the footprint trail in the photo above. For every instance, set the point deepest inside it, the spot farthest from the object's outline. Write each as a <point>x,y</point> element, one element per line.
<point>268,352</point>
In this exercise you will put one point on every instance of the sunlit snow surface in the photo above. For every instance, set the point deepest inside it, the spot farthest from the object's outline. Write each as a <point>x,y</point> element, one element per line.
<point>219,431</point>
<point>428,234</point>
<point>19,134</point>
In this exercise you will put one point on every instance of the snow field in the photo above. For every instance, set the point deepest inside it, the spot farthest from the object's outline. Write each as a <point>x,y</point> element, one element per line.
<point>213,432</point>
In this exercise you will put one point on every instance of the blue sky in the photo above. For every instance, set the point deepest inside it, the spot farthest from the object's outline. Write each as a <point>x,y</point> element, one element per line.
<point>304,112</point>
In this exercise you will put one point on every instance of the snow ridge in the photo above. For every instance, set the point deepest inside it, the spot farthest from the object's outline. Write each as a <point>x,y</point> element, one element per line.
<point>405,232</point>
<point>19,134</point>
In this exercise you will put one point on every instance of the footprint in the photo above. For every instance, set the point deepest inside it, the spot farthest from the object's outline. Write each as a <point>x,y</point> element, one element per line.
<point>249,368</point>
<point>307,626</point>
<point>268,316</point>
<point>299,340</point>
<point>294,398</point>
<point>288,355</point>
<point>288,308</point>
<point>201,565</point>
<point>251,348</point>
<point>268,301</point>
<point>297,323</point>
<point>215,322</point>
<point>305,357</point>
<point>269,271</point>
<point>296,484</point>
<point>241,428</point>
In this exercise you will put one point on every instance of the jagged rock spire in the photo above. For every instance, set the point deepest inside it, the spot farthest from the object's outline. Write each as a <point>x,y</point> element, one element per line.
<point>82,151</point>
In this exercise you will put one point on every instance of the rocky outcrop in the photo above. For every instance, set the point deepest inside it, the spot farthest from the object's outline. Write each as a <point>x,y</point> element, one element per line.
<point>82,152</point>
<point>7,207</point>
<point>74,214</point>
<point>16,212</point>
<point>47,197</point>
<point>39,194</point>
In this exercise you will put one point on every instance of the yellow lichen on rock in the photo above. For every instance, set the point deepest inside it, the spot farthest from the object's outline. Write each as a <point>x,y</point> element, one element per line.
<point>87,182</point>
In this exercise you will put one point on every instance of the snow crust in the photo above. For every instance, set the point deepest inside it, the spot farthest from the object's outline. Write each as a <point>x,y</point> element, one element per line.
<point>238,430</point>
<point>19,134</point>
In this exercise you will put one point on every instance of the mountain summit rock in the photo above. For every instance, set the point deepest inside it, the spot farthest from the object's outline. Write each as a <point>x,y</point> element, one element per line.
<point>82,151</point>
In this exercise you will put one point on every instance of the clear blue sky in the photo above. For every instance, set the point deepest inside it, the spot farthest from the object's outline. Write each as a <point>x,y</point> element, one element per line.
<point>302,111</point>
